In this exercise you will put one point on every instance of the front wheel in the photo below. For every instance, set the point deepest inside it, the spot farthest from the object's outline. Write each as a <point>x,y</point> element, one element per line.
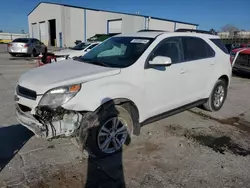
<point>106,132</point>
<point>217,96</point>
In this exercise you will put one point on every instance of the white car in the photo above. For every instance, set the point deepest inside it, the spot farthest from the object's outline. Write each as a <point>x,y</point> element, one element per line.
<point>103,98</point>
<point>78,50</point>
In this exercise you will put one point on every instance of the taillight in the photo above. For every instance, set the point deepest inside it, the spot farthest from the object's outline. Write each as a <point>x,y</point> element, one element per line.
<point>26,46</point>
<point>9,45</point>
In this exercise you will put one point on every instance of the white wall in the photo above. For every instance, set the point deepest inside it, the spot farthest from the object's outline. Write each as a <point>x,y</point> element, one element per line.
<point>70,21</point>
<point>97,22</point>
<point>8,37</point>
<point>185,26</point>
<point>161,25</point>
<point>76,25</point>
<point>45,12</point>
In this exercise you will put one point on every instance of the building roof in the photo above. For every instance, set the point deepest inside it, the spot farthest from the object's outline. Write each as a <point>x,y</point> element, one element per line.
<point>66,5</point>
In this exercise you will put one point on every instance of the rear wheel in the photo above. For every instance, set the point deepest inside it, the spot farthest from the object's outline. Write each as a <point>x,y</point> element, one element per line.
<point>217,97</point>
<point>34,53</point>
<point>106,132</point>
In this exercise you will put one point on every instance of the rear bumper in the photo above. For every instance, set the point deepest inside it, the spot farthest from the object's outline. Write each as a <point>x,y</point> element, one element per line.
<point>19,51</point>
<point>28,120</point>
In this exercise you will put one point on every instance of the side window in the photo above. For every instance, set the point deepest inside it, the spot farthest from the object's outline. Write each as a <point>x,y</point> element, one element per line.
<point>220,44</point>
<point>196,48</point>
<point>172,48</point>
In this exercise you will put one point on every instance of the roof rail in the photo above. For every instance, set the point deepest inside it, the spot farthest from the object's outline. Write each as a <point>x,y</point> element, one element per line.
<point>151,30</point>
<point>194,30</point>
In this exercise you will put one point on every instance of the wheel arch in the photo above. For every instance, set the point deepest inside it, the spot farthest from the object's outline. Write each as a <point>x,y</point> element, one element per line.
<point>129,105</point>
<point>225,78</point>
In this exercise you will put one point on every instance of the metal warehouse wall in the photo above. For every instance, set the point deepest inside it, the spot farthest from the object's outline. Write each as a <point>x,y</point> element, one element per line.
<point>81,24</point>
<point>161,25</point>
<point>97,22</point>
<point>72,25</point>
<point>45,12</point>
<point>186,26</point>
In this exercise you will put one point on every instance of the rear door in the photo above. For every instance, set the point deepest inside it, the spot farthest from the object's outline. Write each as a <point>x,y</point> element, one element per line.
<point>197,68</point>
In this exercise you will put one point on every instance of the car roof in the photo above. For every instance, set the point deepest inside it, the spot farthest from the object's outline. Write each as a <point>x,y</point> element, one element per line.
<point>154,34</point>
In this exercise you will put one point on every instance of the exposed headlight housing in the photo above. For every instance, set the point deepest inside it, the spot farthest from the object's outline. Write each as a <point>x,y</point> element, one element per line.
<point>59,96</point>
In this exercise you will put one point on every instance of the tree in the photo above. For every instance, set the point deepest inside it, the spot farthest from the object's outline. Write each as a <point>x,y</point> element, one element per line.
<point>1,31</point>
<point>229,28</point>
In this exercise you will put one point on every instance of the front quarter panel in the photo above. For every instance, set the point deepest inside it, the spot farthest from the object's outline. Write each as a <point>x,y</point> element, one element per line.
<point>95,93</point>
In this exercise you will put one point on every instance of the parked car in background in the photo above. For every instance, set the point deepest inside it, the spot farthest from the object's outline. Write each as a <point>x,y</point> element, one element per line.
<point>78,50</point>
<point>25,46</point>
<point>129,80</point>
<point>242,63</point>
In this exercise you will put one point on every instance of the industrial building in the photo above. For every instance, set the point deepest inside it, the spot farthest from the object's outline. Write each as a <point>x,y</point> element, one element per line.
<point>61,25</point>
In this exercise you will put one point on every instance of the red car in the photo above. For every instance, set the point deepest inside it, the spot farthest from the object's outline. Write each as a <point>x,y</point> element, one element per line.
<point>242,61</point>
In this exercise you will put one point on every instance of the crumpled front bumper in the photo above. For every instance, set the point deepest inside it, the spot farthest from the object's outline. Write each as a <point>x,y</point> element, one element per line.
<point>30,122</point>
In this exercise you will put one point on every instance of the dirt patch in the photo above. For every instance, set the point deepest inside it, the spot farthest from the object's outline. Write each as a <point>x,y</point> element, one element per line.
<point>234,121</point>
<point>150,147</point>
<point>221,144</point>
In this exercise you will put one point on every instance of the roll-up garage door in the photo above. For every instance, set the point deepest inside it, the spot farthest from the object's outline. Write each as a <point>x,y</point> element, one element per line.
<point>115,26</point>
<point>34,30</point>
<point>42,32</point>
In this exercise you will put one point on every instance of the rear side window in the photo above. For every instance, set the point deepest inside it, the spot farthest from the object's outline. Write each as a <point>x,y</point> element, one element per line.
<point>23,40</point>
<point>196,48</point>
<point>220,44</point>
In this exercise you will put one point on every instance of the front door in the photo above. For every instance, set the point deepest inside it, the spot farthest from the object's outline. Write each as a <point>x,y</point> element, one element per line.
<point>164,84</point>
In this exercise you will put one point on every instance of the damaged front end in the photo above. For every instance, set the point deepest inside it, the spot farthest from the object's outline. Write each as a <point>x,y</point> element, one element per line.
<point>49,123</point>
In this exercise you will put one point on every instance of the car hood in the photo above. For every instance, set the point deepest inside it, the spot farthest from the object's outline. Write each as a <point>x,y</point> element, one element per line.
<point>62,73</point>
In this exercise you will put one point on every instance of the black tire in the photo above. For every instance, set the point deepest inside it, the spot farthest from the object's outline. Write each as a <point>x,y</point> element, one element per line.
<point>87,136</point>
<point>34,54</point>
<point>210,104</point>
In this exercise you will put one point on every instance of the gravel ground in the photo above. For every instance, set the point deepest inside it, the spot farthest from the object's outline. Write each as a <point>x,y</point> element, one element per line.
<point>191,149</point>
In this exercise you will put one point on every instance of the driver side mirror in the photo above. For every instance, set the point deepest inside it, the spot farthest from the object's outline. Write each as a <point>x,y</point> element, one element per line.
<point>160,61</point>
<point>87,50</point>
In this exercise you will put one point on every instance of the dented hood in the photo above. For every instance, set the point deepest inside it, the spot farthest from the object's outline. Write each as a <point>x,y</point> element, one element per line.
<point>62,73</point>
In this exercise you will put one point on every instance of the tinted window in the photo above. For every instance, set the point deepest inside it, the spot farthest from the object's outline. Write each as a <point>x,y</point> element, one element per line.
<point>36,41</point>
<point>23,40</point>
<point>80,46</point>
<point>117,51</point>
<point>220,44</point>
<point>196,48</point>
<point>171,48</point>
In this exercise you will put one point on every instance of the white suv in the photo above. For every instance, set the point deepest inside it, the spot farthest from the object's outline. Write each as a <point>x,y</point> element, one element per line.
<point>103,98</point>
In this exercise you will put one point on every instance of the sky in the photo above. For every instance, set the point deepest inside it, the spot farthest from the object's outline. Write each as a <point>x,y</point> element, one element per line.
<point>208,14</point>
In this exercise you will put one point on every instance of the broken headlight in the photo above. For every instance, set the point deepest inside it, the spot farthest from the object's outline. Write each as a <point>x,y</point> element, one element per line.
<point>59,96</point>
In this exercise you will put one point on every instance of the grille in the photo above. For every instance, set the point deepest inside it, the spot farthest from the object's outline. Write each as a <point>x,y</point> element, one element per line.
<point>25,92</point>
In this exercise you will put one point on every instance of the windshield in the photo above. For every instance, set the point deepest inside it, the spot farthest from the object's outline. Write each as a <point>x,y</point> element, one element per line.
<point>117,51</point>
<point>80,46</point>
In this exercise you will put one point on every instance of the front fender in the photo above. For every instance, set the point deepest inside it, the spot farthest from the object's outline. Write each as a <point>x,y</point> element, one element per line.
<point>94,94</point>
